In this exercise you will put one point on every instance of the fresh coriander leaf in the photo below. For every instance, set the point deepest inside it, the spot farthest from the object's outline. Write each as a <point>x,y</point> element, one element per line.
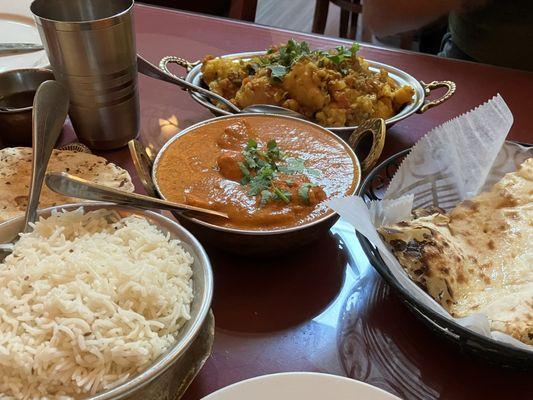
<point>283,195</point>
<point>289,182</point>
<point>277,71</point>
<point>355,48</point>
<point>245,173</point>
<point>252,144</point>
<point>250,161</point>
<point>335,59</point>
<point>313,172</point>
<point>266,196</point>
<point>303,192</point>
<point>262,180</point>
<point>293,166</point>
<point>297,165</point>
<point>273,153</point>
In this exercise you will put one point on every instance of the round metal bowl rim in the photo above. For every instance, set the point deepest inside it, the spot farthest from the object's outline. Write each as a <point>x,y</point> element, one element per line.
<point>410,108</point>
<point>86,22</point>
<point>428,313</point>
<point>251,232</point>
<point>177,349</point>
<point>24,109</point>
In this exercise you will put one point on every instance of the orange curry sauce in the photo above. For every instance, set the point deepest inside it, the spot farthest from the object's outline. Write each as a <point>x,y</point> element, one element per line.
<point>201,168</point>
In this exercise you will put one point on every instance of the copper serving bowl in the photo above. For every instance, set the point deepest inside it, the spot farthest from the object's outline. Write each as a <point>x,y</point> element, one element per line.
<point>159,381</point>
<point>419,104</point>
<point>251,242</point>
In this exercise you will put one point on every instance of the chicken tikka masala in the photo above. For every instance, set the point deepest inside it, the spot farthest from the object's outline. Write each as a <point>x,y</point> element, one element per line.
<point>265,172</point>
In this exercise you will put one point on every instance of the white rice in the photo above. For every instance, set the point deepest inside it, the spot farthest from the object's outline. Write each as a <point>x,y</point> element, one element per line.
<point>86,301</point>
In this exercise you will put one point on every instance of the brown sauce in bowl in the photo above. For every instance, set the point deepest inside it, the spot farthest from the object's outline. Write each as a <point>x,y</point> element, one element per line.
<point>18,100</point>
<point>209,166</point>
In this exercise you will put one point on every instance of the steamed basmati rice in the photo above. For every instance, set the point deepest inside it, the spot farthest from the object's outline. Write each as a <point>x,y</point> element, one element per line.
<point>86,301</point>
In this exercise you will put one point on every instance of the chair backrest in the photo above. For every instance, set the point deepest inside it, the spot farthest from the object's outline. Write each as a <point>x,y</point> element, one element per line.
<point>350,6</point>
<point>243,9</point>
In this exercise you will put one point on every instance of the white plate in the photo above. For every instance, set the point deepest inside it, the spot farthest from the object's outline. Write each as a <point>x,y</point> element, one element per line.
<point>300,385</point>
<point>17,26</point>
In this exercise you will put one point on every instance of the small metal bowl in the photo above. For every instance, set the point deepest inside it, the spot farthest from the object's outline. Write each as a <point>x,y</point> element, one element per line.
<point>15,124</point>
<point>158,380</point>
<point>255,242</point>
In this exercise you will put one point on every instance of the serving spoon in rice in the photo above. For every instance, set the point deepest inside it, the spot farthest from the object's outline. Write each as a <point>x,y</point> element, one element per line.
<point>50,107</point>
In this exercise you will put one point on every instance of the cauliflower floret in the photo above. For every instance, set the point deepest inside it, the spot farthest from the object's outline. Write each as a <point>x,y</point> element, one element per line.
<point>331,115</point>
<point>307,85</point>
<point>402,96</point>
<point>259,89</point>
<point>223,76</point>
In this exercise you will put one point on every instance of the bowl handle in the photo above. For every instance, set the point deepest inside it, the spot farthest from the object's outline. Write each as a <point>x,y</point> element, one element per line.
<point>434,85</point>
<point>143,164</point>
<point>376,127</point>
<point>182,62</point>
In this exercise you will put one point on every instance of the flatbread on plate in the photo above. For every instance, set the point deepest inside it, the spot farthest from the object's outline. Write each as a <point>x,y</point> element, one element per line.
<point>15,174</point>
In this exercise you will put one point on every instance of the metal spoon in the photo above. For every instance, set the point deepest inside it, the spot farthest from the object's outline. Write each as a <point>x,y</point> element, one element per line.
<point>69,185</point>
<point>149,69</point>
<point>15,48</point>
<point>272,109</point>
<point>50,107</point>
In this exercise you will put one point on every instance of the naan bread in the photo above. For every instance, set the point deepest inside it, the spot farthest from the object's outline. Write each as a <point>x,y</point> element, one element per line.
<point>15,173</point>
<point>479,256</point>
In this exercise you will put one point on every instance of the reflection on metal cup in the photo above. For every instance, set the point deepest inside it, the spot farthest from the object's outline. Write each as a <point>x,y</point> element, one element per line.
<point>91,47</point>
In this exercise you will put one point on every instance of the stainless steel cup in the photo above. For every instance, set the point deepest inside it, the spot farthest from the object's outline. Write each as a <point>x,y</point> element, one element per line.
<point>91,47</point>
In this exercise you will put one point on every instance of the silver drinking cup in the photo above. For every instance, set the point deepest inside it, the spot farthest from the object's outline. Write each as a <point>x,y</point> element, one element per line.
<point>91,47</point>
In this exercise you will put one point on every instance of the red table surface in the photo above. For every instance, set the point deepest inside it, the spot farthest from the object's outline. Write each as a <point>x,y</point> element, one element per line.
<point>324,308</point>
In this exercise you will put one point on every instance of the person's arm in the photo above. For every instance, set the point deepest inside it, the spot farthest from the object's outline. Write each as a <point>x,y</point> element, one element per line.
<point>388,17</point>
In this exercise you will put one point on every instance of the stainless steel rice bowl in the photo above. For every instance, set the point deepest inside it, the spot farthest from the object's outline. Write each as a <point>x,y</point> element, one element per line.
<point>158,380</point>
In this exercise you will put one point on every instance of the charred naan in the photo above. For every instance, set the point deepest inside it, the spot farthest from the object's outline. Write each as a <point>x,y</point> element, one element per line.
<point>479,256</point>
<point>15,173</point>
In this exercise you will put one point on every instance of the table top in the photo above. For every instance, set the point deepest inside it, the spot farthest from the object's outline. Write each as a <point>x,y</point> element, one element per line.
<point>323,307</point>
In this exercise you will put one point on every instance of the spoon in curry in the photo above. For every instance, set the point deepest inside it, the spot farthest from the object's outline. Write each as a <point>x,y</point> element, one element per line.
<point>70,185</point>
<point>147,68</point>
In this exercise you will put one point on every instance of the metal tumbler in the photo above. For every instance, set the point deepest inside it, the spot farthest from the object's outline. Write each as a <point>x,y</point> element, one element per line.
<point>91,47</point>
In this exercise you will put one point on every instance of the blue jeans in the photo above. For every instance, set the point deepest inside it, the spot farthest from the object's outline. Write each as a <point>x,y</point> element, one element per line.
<point>449,49</point>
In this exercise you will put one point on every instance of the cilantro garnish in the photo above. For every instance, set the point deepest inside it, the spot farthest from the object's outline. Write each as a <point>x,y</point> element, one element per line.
<point>279,61</point>
<point>303,192</point>
<point>260,167</point>
<point>297,165</point>
<point>277,71</point>
<point>283,195</point>
<point>266,196</point>
<point>342,54</point>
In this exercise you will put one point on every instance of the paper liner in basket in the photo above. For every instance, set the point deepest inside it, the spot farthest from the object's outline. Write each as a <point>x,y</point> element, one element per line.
<point>451,163</point>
